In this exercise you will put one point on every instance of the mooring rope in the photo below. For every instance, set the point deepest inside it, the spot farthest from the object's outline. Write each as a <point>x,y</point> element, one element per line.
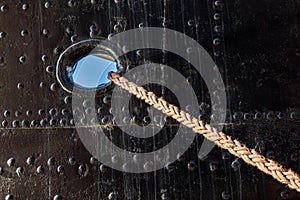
<point>250,156</point>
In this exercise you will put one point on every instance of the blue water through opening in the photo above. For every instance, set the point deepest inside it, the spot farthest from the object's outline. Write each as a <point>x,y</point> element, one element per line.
<point>91,71</point>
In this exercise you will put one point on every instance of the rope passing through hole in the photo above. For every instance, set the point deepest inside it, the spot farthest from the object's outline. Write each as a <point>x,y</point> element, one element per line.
<point>250,156</point>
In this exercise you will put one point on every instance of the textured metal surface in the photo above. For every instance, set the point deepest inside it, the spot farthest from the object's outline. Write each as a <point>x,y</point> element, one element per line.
<point>256,47</point>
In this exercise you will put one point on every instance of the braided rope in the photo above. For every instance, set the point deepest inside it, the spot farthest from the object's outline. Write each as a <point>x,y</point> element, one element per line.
<point>222,140</point>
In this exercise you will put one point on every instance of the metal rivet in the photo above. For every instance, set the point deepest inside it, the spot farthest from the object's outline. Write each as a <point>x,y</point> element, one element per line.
<point>293,115</point>
<point>170,167</point>
<point>100,110</point>
<point>236,164</point>
<point>57,197</point>
<point>104,120</point>
<point>213,165</point>
<point>72,122</point>
<point>20,171</point>
<point>40,169</point>
<point>270,115</point>
<point>83,170</point>
<point>86,103</point>
<point>2,34</point>
<point>30,160</point>
<point>109,37</point>
<point>218,3</point>
<point>103,168</point>
<point>217,29</point>
<point>191,22</point>
<point>54,86</point>
<point>25,123</point>
<point>72,161</point>
<point>18,113</point>
<point>258,115</point>
<point>107,99</point>
<point>236,116</point>
<point>47,4</point>
<point>247,116</point>
<point>125,167</point>
<point>92,34</point>
<point>217,16</point>
<point>139,53</point>
<point>141,25</point>
<point>57,50</point>
<point>189,50</point>
<point>63,122</point>
<point>146,120</point>
<point>52,111</point>
<point>125,50</point>
<point>1,170</point>
<point>11,161</point>
<point>93,160</point>
<point>202,117</point>
<point>22,59</point>
<point>284,194</point>
<point>3,8</point>
<point>41,111</point>
<point>126,120</point>
<point>189,79</point>
<point>51,161</point>
<point>25,6</point>
<point>60,169</point>
<point>6,113</point>
<point>68,99</point>
<point>20,86</point>
<point>4,123</point>
<point>280,115</point>
<point>180,157</point>
<point>50,69</point>
<point>165,195</point>
<point>64,112</point>
<point>113,196</point>
<point>28,112</point>
<point>53,122</point>
<point>42,84</point>
<point>45,32</point>
<point>93,27</point>
<point>44,57</point>
<point>15,123</point>
<point>43,122</point>
<point>74,38</point>
<point>33,123</point>
<point>9,197</point>
<point>24,32</point>
<point>117,27</point>
<point>70,30</point>
<point>71,3</point>
<point>226,195</point>
<point>192,166</point>
<point>216,41</point>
